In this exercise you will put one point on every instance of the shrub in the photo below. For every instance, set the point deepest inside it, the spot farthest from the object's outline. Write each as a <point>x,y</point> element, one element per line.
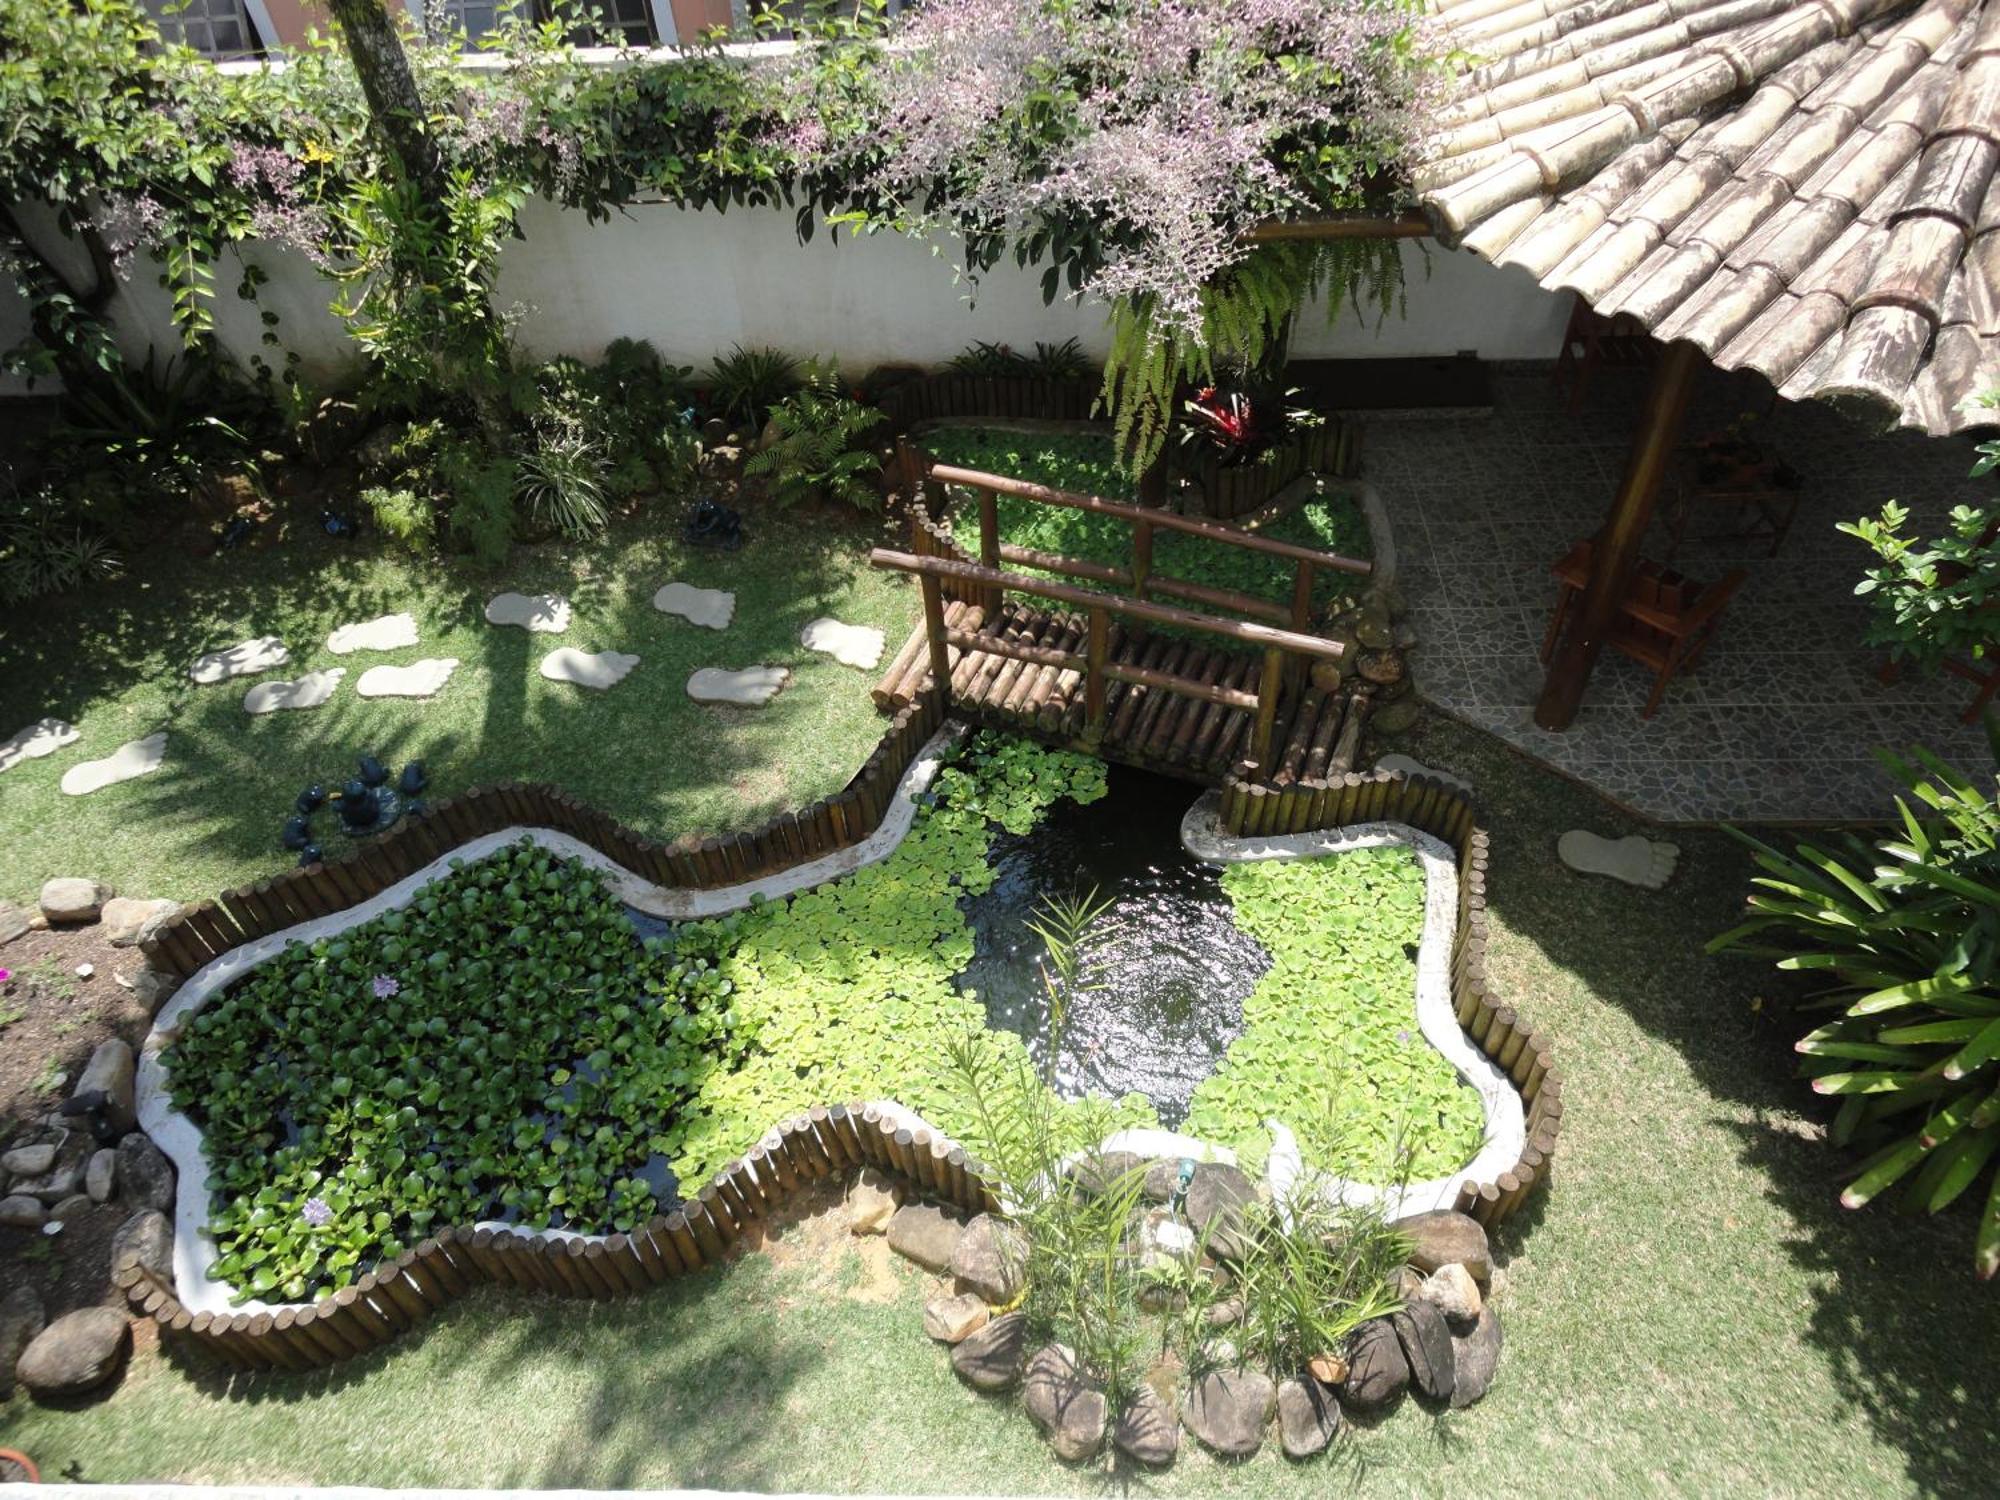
<point>745,384</point>
<point>560,482</point>
<point>1904,932</point>
<point>403,515</point>
<point>818,450</point>
<point>46,548</point>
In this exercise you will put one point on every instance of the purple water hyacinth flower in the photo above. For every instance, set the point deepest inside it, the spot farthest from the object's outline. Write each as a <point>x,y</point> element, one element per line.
<point>1403,1035</point>
<point>386,986</point>
<point>316,1213</point>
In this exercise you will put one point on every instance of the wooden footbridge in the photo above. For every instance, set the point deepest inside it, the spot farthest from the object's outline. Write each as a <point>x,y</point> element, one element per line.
<point>1123,675</point>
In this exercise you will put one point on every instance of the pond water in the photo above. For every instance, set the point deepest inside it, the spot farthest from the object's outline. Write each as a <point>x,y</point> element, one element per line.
<point>1172,967</point>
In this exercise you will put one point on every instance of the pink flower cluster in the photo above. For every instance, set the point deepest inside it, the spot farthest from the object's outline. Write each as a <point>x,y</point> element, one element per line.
<point>281,212</point>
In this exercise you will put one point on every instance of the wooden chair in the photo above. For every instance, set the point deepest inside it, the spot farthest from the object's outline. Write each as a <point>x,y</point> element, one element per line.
<point>1665,620</point>
<point>1592,341</point>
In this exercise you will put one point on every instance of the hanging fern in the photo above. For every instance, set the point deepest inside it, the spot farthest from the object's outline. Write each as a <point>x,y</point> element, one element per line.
<point>1243,319</point>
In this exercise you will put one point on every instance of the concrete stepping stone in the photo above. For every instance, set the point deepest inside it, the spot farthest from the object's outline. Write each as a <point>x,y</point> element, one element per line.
<point>133,758</point>
<point>850,645</point>
<point>1646,863</point>
<point>309,691</point>
<point>385,633</point>
<point>544,614</point>
<point>43,737</point>
<point>713,608</point>
<point>419,679</point>
<point>1404,765</point>
<point>591,669</point>
<point>753,687</point>
<point>245,659</point>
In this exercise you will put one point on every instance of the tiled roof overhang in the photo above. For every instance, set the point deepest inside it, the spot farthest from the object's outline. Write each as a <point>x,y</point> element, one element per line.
<point>1805,188</point>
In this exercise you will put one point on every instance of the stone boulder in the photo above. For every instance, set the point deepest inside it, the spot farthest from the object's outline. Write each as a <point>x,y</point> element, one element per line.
<point>871,1202</point>
<point>1216,1199</point>
<point>147,1235</point>
<point>145,1174</point>
<point>1229,1409</point>
<point>952,1320</point>
<point>69,898</point>
<point>1148,1430</point>
<point>21,1318</point>
<point>990,1260</point>
<point>1308,1417</point>
<point>65,1176</point>
<point>1475,1359</point>
<point>100,1175</point>
<point>75,1354</point>
<point>991,1359</point>
<point>924,1234</point>
<point>13,923</point>
<point>1102,1171</point>
<point>153,989</point>
<point>1070,1411</point>
<point>22,1211</point>
<point>1377,1372</point>
<point>1444,1238</point>
<point>29,1161</point>
<point>1426,1340</point>
<point>1162,1179</point>
<point>111,1071</point>
<point>129,921</point>
<point>1453,1292</point>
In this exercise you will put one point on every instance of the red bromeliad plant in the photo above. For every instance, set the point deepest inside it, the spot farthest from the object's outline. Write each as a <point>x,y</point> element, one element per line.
<point>1239,426</point>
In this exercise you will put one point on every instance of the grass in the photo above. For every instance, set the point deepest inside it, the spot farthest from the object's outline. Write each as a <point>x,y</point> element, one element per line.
<point>114,662</point>
<point>1687,1309</point>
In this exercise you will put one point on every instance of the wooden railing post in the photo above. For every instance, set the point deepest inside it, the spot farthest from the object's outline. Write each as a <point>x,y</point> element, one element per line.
<point>989,544</point>
<point>1268,688</point>
<point>934,627</point>
<point>1142,557</point>
<point>1093,677</point>
<point>1302,607</point>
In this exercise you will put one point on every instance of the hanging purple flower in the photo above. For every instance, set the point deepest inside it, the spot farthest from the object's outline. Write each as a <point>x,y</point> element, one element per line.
<point>316,1213</point>
<point>386,986</point>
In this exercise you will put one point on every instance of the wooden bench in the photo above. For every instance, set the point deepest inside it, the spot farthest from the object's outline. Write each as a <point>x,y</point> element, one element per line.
<point>1665,621</point>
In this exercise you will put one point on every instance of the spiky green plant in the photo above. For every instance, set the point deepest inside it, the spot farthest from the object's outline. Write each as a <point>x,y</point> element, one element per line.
<point>1906,931</point>
<point>1066,925</point>
<point>745,384</point>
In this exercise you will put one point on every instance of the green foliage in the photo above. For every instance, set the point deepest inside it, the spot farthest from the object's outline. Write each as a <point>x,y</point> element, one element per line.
<point>819,449</point>
<point>1904,933</point>
<point>745,384</point>
<point>1064,361</point>
<point>1931,600</point>
<point>532,1051</point>
<point>46,547</point>
<point>1339,998</point>
<point>560,482</point>
<point>406,517</point>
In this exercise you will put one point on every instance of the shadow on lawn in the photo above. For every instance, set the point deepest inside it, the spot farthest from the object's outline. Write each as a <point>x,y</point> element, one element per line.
<point>1900,1319</point>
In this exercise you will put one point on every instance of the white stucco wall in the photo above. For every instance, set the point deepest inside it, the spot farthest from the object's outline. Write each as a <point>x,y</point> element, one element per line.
<point>694,283</point>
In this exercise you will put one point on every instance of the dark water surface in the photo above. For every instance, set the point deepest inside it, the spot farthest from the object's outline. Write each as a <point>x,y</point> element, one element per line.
<point>1173,965</point>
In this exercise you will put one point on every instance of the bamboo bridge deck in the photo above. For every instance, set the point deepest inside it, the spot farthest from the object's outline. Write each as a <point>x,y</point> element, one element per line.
<point>1314,731</point>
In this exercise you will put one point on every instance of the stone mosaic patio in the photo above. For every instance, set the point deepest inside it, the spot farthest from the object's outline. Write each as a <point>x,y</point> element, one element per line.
<point>1779,721</point>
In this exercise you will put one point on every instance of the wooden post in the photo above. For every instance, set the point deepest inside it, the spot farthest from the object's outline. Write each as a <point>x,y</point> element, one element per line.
<point>1093,681</point>
<point>1142,557</point>
<point>1267,708</point>
<point>989,544</point>
<point>1302,608</point>
<point>934,628</point>
<point>1616,552</point>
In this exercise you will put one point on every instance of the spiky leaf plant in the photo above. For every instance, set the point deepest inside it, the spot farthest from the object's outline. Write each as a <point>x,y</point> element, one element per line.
<point>1906,930</point>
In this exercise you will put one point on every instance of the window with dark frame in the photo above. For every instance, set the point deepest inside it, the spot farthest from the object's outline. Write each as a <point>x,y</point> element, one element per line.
<point>599,22</point>
<point>214,28</point>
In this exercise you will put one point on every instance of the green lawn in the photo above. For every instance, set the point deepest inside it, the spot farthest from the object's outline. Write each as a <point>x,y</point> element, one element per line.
<point>1687,1309</point>
<point>114,662</point>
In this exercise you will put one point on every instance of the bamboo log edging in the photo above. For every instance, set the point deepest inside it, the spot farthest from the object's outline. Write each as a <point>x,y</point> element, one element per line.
<point>207,930</point>
<point>1250,808</point>
<point>400,1295</point>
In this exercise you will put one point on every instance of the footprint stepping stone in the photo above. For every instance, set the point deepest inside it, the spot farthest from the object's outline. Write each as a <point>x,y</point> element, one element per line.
<point>714,608</point>
<point>1404,765</point>
<point>419,679</point>
<point>1646,863</point>
<point>850,645</point>
<point>245,659</point>
<point>591,669</point>
<point>309,691</point>
<point>43,737</point>
<point>385,633</point>
<point>546,614</point>
<point>752,687</point>
<point>133,758</point>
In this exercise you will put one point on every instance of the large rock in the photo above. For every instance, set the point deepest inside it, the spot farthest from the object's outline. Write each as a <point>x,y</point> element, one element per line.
<point>1070,1411</point>
<point>990,1260</point>
<point>1308,1417</point>
<point>871,1202</point>
<point>22,1211</point>
<point>1454,1293</point>
<point>76,1353</point>
<point>1475,1358</point>
<point>1148,1429</point>
<point>1162,1180</point>
<point>65,1177</point>
<point>1216,1199</point>
<point>13,923</point>
<point>953,1320</point>
<point>70,898</point>
<point>147,1235</point>
<point>145,1173</point>
<point>152,989</point>
<point>1102,1171</point>
<point>129,921</point>
<point>1443,1238</point>
<point>924,1234</point>
<point>1426,1340</point>
<point>111,1072</point>
<point>21,1318</point>
<point>991,1359</point>
<point>1377,1372</point>
<point>1229,1409</point>
<point>29,1161</point>
<point>100,1175</point>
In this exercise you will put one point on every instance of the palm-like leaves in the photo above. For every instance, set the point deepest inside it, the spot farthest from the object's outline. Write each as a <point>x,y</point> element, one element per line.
<point>1906,931</point>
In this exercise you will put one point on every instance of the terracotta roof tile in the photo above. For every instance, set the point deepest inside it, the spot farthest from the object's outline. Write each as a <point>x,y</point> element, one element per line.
<point>1808,188</point>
